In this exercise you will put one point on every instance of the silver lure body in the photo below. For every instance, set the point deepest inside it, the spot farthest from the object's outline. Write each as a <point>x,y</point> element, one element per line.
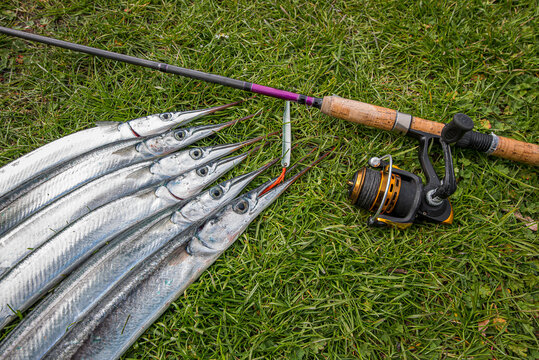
<point>94,164</point>
<point>21,286</point>
<point>35,230</point>
<point>144,294</point>
<point>85,286</point>
<point>52,154</point>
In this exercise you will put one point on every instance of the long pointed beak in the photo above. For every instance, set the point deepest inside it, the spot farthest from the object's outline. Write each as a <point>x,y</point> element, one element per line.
<point>234,122</point>
<point>185,117</point>
<point>224,165</point>
<point>229,148</point>
<point>234,159</point>
<point>222,107</point>
<point>251,141</point>
<point>280,178</point>
<point>218,127</point>
<point>243,180</point>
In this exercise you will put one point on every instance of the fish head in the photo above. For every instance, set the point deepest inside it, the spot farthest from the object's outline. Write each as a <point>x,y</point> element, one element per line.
<point>202,205</point>
<point>177,139</point>
<point>220,231</point>
<point>156,123</point>
<point>201,155</point>
<point>179,162</point>
<point>157,145</point>
<point>205,203</point>
<point>191,182</point>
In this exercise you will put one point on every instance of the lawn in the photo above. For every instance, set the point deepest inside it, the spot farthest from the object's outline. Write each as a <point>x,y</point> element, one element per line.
<point>309,279</point>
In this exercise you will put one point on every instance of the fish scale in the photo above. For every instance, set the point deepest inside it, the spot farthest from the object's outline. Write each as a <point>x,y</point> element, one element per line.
<point>80,172</point>
<point>21,286</point>
<point>27,166</point>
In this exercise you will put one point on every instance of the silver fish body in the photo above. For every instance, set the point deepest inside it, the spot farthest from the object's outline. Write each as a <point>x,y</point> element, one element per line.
<point>52,154</point>
<point>85,286</point>
<point>97,163</point>
<point>54,173</point>
<point>35,230</point>
<point>22,285</point>
<point>137,301</point>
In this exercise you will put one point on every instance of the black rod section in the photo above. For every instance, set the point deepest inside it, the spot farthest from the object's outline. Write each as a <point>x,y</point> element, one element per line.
<point>171,69</point>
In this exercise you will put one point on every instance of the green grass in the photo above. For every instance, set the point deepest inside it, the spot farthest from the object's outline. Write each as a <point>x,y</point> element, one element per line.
<point>309,279</point>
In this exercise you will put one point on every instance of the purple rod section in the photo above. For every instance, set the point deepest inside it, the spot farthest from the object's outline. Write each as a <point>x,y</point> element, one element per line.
<point>282,94</point>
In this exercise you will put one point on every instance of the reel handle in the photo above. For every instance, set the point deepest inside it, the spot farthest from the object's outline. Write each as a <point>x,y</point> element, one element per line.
<point>456,128</point>
<point>451,133</point>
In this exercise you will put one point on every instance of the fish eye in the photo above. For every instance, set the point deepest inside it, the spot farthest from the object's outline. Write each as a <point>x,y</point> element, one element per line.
<point>216,192</point>
<point>241,207</point>
<point>202,171</point>
<point>166,116</point>
<point>196,153</point>
<point>180,135</point>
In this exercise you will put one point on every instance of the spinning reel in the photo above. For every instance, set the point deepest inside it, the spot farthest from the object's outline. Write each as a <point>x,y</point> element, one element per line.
<point>399,197</point>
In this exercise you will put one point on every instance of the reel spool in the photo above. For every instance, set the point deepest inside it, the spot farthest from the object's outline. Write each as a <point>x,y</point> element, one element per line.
<point>400,198</point>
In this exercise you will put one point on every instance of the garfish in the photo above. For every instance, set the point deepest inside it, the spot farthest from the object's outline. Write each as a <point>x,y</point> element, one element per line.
<point>52,154</point>
<point>35,230</point>
<point>43,268</point>
<point>100,162</point>
<point>128,309</point>
<point>84,287</point>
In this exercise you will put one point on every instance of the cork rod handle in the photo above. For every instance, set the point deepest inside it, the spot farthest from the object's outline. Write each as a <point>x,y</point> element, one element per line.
<point>383,118</point>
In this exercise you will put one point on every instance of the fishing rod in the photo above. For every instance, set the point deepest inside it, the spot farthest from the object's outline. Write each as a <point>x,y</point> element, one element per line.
<point>351,110</point>
<point>396,196</point>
